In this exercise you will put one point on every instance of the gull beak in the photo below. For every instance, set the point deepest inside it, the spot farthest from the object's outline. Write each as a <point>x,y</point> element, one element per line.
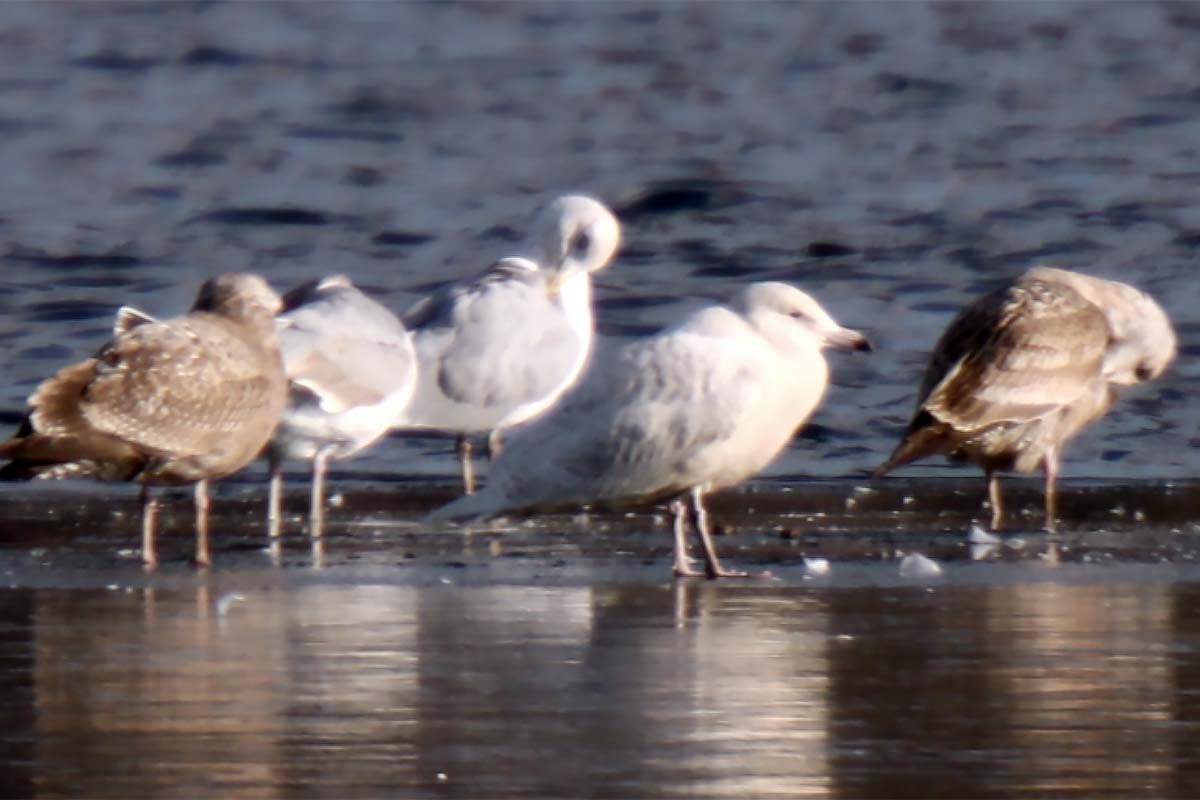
<point>849,339</point>
<point>554,282</point>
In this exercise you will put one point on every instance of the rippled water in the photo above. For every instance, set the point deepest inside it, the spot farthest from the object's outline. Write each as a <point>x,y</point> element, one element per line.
<point>896,159</point>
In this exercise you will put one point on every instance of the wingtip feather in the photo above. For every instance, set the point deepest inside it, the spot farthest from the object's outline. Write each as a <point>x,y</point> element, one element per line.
<point>468,508</point>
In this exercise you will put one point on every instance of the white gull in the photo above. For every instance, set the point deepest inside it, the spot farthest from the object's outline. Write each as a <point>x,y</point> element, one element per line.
<point>699,407</point>
<point>351,369</point>
<point>500,349</point>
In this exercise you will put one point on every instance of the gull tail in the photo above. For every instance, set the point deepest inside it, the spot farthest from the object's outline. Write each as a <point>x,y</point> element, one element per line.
<point>469,507</point>
<point>883,469</point>
<point>924,437</point>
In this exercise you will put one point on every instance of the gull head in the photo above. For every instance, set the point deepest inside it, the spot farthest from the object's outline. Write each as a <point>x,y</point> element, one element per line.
<point>238,295</point>
<point>788,317</point>
<point>576,234</point>
<point>1142,343</point>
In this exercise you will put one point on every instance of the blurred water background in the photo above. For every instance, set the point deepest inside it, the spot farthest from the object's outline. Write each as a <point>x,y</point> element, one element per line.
<point>894,159</point>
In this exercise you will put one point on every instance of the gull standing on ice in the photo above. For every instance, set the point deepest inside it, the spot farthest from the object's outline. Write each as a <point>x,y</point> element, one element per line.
<point>185,400</point>
<point>1022,370</point>
<point>499,350</point>
<point>699,407</point>
<point>351,370</point>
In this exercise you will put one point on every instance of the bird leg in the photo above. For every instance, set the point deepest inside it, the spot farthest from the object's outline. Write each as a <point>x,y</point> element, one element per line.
<point>464,462</point>
<point>275,499</point>
<point>683,564</point>
<point>203,554</point>
<point>149,523</point>
<point>993,482</point>
<point>712,564</point>
<point>1051,469</point>
<point>495,445</point>
<point>316,511</point>
<point>318,553</point>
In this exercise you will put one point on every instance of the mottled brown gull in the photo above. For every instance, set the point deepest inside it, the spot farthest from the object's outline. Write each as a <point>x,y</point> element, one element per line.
<point>699,407</point>
<point>1022,370</point>
<point>498,350</point>
<point>351,368</point>
<point>185,400</point>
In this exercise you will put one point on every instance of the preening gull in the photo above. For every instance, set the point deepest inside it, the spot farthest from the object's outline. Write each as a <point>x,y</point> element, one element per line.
<point>1022,370</point>
<point>185,400</point>
<point>351,370</point>
<point>498,350</point>
<point>699,407</point>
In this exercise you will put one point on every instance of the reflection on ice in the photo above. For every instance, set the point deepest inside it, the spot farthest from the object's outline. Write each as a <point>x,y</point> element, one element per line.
<point>683,690</point>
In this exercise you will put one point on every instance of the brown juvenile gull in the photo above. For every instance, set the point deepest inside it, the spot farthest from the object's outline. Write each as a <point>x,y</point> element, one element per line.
<point>1022,370</point>
<point>699,407</point>
<point>501,349</point>
<point>351,368</point>
<point>185,400</point>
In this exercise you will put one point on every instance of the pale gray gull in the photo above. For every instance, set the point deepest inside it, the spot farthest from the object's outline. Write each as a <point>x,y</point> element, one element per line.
<point>186,400</point>
<point>351,369</point>
<point>699,407</point>
<point>500,349</point>
<point>1022,370</point>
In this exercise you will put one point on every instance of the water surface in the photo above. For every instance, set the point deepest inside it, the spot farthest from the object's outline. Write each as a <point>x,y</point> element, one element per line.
<point>1082,687</point>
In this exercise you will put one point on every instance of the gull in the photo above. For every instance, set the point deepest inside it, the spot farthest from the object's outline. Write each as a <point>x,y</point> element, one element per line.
<point>699,407</point>
<point>186,400</point>
<point>1022,370</point>
<point>500,349</point>
<point>351,370</point>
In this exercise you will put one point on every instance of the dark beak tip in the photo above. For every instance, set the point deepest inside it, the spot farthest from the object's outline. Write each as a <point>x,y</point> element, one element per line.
<point>864,345</point>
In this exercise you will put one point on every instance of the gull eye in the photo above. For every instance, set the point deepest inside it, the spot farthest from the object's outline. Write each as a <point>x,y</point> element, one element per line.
<point>581,242</point>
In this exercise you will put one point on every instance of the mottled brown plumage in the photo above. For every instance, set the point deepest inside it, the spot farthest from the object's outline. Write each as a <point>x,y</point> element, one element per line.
<point>185,400</point>
<point>1023,369</point>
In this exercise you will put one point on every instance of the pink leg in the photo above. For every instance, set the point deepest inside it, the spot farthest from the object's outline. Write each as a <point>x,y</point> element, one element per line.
<point>464,461</point>
<point>712,564</point>
<point>683,565</point>
<point>1051,468</point>
<point>203,554</point>
<point>316,512</point>
<point>275,500</point>
<point>149,524</point>
<point>993,482</point>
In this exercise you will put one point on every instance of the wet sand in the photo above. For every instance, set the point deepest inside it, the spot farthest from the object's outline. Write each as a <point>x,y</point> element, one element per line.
<point>74,535</point>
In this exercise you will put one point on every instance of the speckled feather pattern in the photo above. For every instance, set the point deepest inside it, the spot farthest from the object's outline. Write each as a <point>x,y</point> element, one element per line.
<point>189,398</point>
<point>1022,370</point>
<point>190,390</point>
